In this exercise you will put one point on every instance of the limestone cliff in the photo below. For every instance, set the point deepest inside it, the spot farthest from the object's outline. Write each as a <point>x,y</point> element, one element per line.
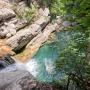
<point>17,33</point>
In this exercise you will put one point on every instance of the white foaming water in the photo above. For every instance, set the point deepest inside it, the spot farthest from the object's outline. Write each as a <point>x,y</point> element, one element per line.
<point>49,65</point>
<point>13,67</point>
<point>33,67</point>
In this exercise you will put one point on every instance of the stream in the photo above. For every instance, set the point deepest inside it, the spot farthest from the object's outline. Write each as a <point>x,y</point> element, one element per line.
<point>42,65</point>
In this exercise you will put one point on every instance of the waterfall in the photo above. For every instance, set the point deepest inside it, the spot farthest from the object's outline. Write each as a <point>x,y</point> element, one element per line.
<point>6,61</point>
<point>42,65</point>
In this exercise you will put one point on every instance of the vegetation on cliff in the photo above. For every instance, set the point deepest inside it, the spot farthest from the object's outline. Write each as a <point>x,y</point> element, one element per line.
<point>74,60</point>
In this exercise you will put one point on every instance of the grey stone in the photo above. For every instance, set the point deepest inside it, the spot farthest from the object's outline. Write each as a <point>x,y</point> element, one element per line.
<point>24,36</point>
<point>66,23</point>
<point>6,13</point>
<point>22,80</point>
<point>8,35</point>
<point>12,32</point>
<point>44,12</point>
<point>3,31</point>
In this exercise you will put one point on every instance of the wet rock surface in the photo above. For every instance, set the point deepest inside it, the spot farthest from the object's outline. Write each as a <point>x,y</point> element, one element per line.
<point>21,80</point>
<point>5,61</point>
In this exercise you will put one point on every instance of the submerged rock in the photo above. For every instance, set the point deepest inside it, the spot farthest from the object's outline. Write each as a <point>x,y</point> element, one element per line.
<point>66,23</point>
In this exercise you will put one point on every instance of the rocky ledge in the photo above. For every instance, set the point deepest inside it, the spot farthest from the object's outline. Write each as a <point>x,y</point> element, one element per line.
<point>22,80</point>
<point>18,34</point>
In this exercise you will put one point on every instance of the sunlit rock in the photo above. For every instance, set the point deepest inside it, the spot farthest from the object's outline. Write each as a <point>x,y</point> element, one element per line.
<point>5,49</point>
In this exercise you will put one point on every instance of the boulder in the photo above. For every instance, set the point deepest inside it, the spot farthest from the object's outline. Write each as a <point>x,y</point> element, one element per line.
<point>10,28</point>
<point>26,35</point>
<point>5,49</point>
<point>34,45</point>
<point>6,13</point>
<point>22,80</point>
<point>66,23</point>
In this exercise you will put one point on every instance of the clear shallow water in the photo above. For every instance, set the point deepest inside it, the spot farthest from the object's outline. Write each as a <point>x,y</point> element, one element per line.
<point>42,66</point>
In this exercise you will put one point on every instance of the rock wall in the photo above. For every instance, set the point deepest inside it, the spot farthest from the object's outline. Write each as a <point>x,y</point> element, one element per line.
<point>23,37</point>
<point>18,33</point>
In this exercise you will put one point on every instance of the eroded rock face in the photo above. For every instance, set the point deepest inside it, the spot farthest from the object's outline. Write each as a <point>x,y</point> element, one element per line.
<point>5,10</point>
<point>24,36</point>
<point>14,1</point>
<point>5,49</point>
<point>34,45</point>
<point>16,33</point>
<point>6,13</point>
<point>21,80</point>
<point>10,28</point>
<point>9,23</point>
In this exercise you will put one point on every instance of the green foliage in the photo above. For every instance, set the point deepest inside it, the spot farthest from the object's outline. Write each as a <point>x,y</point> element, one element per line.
<point>29,13</point>
<point>57,7</point>
<point>73,59</point>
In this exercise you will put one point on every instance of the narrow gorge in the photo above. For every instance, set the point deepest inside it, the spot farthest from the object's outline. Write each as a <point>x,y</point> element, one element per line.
<point>41,48</point>
<point>20,40</point>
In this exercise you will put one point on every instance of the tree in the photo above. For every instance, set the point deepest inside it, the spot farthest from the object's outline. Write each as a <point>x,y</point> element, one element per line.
<point>73,59</point>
